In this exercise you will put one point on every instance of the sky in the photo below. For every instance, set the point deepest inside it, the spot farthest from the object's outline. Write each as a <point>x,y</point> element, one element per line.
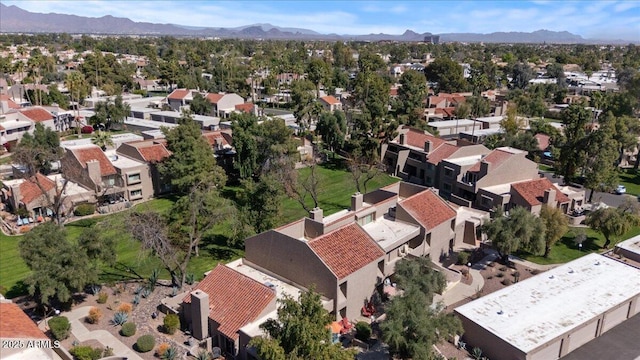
<point>607,19</point>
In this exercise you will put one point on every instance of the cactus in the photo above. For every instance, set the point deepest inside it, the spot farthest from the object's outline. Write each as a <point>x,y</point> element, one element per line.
<point>119,318</point>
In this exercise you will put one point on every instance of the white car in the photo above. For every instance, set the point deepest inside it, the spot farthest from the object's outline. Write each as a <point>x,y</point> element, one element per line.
<point>621,189</point>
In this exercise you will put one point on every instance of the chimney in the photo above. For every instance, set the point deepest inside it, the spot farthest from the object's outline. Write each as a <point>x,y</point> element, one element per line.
<point>4,106</point>
<point>549,197</point>
<point>316,214</point>
<point>403,139</point>
<point>200,314</point>
<point>15,192</point>
<point>427,146</point>
<point>356,201</point>
<point>93,170</point>
<point>484,168</point>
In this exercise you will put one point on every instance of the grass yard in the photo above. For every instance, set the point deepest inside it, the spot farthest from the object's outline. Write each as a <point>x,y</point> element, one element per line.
<point>566,250</point>
<point>543,167</point>
<point>630,178</point>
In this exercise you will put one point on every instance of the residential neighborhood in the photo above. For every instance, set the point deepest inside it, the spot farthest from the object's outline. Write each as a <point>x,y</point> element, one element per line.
<point>257,198</point>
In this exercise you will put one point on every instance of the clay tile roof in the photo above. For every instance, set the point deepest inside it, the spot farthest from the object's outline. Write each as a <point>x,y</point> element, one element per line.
<point>86,154</point>
<point>495,158</point>
<point>393,92</point>
<point>543,141</point>
<point>178,94</point>
<point>15,324</point>
<point>447,111</point>
<point>330,100</point>
<point>533,191</point>
<point>214,98</point>
<point>37,114</point>
<point>234,299</point>
<point>10,103</point>
<point>211,137</point>
<point>428,209</point>
<point>346,250</point>
<point>154,153</point>
<point>441,153</point>
<point>29,189</point>
<point>247,107</point>
<point>417,138</point>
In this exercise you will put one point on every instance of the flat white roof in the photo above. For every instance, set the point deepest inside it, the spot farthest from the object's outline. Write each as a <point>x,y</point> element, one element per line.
<point>532,312</point>
<point>453,123</point>
<point>67,144</point>
<point>335,216</point>
<point>145,110</point>
<point>15,124</point>
<point>152,124</point>
<point>481,132</point>
<point>632,245</point>
<point>500,189</point>
<point>465,160</point>
<point>389,233</point>
<point>491,119</point>
<point>121,162</point>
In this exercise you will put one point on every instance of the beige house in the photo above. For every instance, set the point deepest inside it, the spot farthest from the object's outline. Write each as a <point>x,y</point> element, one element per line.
<point>180,98</point>
<point>223,105</point>
<point>89,166</point>
<point>534,193</point>
<point>549,315</point>
<point>150,153</point>
<point>330,103</point>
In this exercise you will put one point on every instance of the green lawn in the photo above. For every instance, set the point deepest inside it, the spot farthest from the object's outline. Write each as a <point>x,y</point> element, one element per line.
<point>566,250</point>
<point>543,167</point>
<point>337,188</point>
<point>630,178</point>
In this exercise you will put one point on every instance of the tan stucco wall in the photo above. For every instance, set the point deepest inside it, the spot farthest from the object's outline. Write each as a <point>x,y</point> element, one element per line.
<point>516,168</point>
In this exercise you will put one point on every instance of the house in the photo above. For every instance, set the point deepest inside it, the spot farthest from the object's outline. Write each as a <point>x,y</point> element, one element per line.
<point>222,145</point>
<point>20,336</point>
<point>222,303</point>
<point>629,249</point>
<point>330,103</point>
<point>89,166</point>
<point>444,100</point>
<point>533,194</point>
<point>484,181</point>
<point>248,108</point>
<point>150,153</point>
<point>223,105</point>
<point>180,98</point>
<point>135,177</point>
<point>173,117</point>
<point>31,194</point>
<point>7,104</point>
<point>551,314</point>
<point>452,128</point>
<point>415,155</point>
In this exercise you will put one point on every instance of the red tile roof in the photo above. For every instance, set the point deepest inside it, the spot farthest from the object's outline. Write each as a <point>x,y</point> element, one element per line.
<point>330,100</point>
<point>29,189</point>
<point>234,299</point>
<point>214,98</point>
<point>441,153</point>
<point>533,191</point>
<point>393,92</point>
<point>446,111</point>
<point>543,141</point>
<point>15,324</point>
<point>428,209</point>
<point>178,94</point>
<point>154,153</point>
<point>417,138</point>
<point>211,137</point>
<point>246,107</point>
<point>37,114</point>
<point>86,154</point>
<point>495,158</point>
<point>12,104</point>
<point>346,250</point>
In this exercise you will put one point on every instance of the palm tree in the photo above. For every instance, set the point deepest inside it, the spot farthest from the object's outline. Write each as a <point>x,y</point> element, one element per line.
<point>102,139</point>
<point>77,84</point>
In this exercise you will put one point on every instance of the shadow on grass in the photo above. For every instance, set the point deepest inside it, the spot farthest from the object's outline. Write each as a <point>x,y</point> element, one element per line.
<point>83,223</point>
<point>19,289</point>
<point>216,246</point>
<point>120,272</point>
<point>335,164</point>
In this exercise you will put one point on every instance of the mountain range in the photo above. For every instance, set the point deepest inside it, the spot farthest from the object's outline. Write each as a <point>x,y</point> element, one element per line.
<point>16,20</point>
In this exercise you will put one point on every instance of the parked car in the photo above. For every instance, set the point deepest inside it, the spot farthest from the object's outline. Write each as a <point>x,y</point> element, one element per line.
<point>621,189</point>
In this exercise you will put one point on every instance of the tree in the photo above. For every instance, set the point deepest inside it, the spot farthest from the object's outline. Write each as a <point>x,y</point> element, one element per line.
<point>191,162</point>
<point>611,222</point>
<point>332,127</point>
<point>306,108</point>
<point>102,139</point>
<point>78,89</point>
<point>363,170</point>
<point>521,74</point>
<point>108,113</point>
<point>556,225</point>
<point>299,332</point>
<point>572,150</point>
<point>318,73</point>
<point>244,129</point>
<point>58,267</point>
<point>411,96</point>
<point>302,184</point>
<point>478,106</point>
<point>200,105</point>
<point>419,273</point>
<point>462,110</point>
<point>260,203</point>
<point>601,154</point>
<point>448,74</point>
<point>38,150</point>
<point>520,230</point>
<point>556,71</point>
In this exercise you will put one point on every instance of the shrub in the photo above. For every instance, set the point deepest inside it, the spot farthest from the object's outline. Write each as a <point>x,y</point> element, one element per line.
<point>190,278</point>
<point>86,353</point>
<point>84,210</point>
<point>136,300</point>
<point>463,258</point>
<point>128,329</point>
<point>145,343</point>
<point>94,289</point>
<point>153,279</point>
<point>162,348</point>
<point>60,327</point>
<point>94,315</point>
<point>516,276</point>
<point>86,129</point>
<point>500,275</point>
<point>125,308</point>
<point>476,353</point>
<point>170,354</point>
<point>506,282</point>
<point>171,323</point>
<point>120,318</point>
<point>363,331</point>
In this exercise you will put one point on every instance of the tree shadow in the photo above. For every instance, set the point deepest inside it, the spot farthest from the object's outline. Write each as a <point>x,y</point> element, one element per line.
<point>19,289</point>
<point>120,272</point>
<point>334,164</point>
<point>590,244</point>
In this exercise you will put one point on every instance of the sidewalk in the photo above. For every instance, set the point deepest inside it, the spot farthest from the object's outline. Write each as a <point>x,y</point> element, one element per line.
<point>76,317</point>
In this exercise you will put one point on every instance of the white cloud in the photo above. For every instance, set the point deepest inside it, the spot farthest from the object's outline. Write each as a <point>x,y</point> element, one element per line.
<point>624,6</point>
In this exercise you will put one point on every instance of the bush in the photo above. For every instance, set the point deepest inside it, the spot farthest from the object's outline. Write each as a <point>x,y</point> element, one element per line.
<point>84,210</point>
<point>120,318</point>
<point>363,331</point>
<point>145,343</point>
<point>87,129</point>
<point>86,353</point>
<point>500,275</point>
<point>463,258</point>
<point>60,327</point>
<point>162,348</point>
<point>102,297</point>
<point>94,315</point>
<point>171,323</point>
<point>170,354</point>
<point>506,282</point>
<point>125,308</point>
<point>128,329</point>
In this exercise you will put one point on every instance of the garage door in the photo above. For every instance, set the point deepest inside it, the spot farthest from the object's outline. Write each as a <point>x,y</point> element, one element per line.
<point>551,352</point>
<point>582,336</point>
<point>615,317</point>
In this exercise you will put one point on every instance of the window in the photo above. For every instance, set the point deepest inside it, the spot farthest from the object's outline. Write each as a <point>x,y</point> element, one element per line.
<point>365,219</point>
<point>136,193</point>
<point>111,181</point>
<point>133,178</point>
<point>486,201</point>
<point>448,172</point>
